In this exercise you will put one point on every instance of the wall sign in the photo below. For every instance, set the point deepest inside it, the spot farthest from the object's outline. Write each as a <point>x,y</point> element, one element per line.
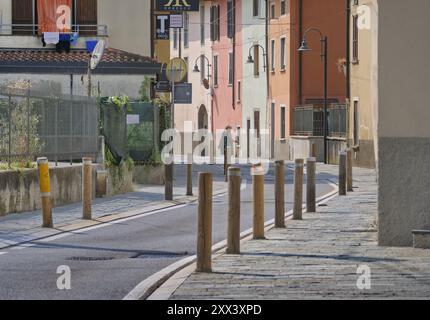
<point>176,21</point>
<point>178,5</point>
<point>162,27</point>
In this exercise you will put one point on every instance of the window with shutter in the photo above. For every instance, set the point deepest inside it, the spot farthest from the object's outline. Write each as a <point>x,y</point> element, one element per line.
<point>22,17</point>
<point>86,17</point>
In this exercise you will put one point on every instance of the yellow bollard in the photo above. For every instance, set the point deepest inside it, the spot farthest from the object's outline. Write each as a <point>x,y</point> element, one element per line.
<point>45,192</point>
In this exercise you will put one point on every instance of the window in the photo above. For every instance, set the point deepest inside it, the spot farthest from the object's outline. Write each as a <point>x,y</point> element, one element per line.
<point>283,8</point>
<point>272,55</point>
<point>255,8</point>
<point>186,30</point>
<point>356,124</point>
<point>85,15</point>
<point>215,75</point>
<point>175,38</point>
<point>215,25</point>
<point>355,2</point>
<point>256,60</point>
<point>22,13</point>
<point>239,91</point>
<point>355,39</point>
<point>230,19</point>
<point>283,127</point>
<point>283,53</point>
<point>230,68</point>
<point>272,11</point>
<point>202,25</point>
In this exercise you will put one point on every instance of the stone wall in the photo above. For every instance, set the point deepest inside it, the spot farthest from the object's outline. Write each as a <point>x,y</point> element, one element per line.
<point>19,190</point>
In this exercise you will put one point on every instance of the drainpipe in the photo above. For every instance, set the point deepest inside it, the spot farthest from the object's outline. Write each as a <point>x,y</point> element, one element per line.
<point>269,109</point>
<point>300,53</point>
<point>348,67</point>
<point>152,29</point>
<point>233,102</point>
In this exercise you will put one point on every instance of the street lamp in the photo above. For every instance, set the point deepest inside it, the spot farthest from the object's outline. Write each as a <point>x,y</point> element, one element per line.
<point>197,69</point>
<point>324,56</point>
<point>251,59</point>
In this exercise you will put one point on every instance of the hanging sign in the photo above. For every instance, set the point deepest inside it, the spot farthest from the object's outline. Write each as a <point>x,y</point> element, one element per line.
<point>178,5</point>
<point>162,27</point>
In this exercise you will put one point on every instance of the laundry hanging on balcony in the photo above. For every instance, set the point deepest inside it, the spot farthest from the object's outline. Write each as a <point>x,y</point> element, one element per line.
<point>54,15</point>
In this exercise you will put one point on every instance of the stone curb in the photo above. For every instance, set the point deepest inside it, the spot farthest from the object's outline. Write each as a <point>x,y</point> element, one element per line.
<point>161,285</point>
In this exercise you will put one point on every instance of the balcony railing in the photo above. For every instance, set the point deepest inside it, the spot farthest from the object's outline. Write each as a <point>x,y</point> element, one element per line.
<point>309,120</point>
<point>99,30</point>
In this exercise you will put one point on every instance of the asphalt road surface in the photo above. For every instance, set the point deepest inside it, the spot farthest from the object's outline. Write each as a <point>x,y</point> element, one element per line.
<point>108,261</point>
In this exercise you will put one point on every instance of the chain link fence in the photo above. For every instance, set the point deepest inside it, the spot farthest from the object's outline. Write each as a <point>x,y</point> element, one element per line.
<point>34,123</point>
<point>134,131</point>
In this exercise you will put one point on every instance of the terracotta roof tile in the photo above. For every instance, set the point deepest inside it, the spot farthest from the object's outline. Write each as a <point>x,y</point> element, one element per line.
<point>76,55</point>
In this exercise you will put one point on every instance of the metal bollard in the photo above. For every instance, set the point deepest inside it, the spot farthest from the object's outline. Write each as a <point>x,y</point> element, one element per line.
<point>233,229</point>
<point>349,173</point>
<point>190,175</point>
<point>342,174</point>
<point>87,187</point>
<point>258,201</point>
<point>204,235</point>
<point>45,192</point>
<point>298,190</point>
<point>310,185</point>
<point>280,194</point>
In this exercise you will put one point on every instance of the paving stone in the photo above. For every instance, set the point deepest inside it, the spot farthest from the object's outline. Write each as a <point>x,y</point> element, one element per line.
<point>317,258</point>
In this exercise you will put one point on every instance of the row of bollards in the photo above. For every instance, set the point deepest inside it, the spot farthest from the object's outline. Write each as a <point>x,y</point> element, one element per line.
<point>45,190</point>
<point>204,238</point>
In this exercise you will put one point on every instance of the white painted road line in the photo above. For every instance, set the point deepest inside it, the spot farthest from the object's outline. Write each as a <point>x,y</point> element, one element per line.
<point>1,253</point>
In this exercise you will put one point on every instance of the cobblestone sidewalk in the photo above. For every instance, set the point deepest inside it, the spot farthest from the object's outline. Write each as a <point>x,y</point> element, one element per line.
<point>318,258</point>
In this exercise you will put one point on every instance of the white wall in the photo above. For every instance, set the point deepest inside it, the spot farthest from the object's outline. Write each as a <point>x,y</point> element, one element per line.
<point>254,89</point>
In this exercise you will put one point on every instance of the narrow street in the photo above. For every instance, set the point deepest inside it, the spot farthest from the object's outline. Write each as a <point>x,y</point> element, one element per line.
<point>109,260</point>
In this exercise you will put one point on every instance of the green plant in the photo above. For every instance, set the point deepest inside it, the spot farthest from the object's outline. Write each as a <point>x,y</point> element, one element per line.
<point>120,102</point>
<point>144,91</point>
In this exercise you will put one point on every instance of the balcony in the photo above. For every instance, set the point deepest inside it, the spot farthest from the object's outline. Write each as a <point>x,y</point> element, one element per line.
<point>99,30</point>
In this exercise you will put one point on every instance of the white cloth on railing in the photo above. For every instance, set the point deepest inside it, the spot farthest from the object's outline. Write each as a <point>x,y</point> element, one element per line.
<point>51,37</point>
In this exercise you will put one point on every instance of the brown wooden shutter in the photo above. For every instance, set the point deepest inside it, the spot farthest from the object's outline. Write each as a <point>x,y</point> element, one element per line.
<point>22,13</point>
<point>86,14</point>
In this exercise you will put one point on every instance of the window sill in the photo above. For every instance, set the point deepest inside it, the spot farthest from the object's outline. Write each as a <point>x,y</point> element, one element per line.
<point>355,62</point>
<point>283,70</point>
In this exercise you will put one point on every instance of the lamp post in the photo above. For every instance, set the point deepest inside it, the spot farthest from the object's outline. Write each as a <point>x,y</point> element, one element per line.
<point>324,56</point>
<point>196,67</point>
<point>251,59</point>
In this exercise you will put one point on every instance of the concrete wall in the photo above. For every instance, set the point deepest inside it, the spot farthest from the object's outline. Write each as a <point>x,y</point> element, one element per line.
<point>129,24</point>
<point>19,191</point>
<point>110,85</point>
<point>403,119</point>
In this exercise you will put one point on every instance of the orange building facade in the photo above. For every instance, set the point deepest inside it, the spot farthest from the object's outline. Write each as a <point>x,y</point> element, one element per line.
<point>296,79</point>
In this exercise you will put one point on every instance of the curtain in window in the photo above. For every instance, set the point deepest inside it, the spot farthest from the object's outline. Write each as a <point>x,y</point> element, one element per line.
<point>50,12</point>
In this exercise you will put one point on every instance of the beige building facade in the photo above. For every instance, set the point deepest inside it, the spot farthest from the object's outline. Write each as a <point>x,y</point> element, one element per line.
<point>362,121</point>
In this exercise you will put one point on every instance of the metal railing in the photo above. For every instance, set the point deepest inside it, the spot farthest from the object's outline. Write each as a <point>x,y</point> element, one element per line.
<point>33,124</point>
<point>309,120</point>
<point>99,30</point>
